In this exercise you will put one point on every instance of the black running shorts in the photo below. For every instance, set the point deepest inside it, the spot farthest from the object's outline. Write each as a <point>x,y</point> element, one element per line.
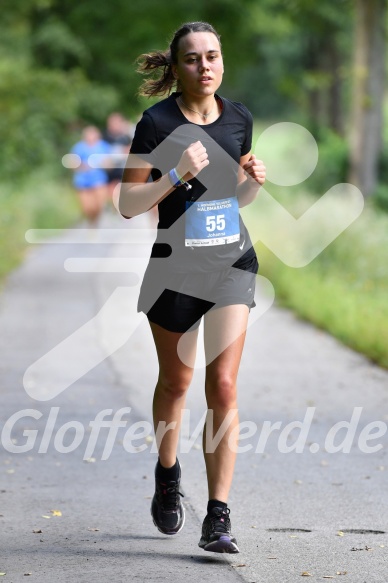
<point>178,301</point>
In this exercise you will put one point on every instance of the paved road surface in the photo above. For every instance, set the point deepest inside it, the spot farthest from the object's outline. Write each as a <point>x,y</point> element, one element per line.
<point>315,511</point>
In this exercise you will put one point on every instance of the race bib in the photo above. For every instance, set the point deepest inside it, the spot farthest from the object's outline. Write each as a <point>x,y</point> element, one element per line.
<point>212,222</point>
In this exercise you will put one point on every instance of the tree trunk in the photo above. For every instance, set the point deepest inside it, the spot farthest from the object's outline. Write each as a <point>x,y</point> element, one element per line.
<point>335,110</point>
<point>313,67</point>
<point>367,110</point>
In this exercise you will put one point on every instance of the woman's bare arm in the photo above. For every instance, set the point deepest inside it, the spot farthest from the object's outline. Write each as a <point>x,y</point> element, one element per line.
<point>137,195</point>
<point>247,188</point>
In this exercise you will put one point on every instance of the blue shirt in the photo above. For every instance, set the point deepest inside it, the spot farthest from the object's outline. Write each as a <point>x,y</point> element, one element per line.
<point>90,177</point>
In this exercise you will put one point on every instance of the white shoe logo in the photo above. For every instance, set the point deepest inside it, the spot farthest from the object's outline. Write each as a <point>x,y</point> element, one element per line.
<point>242,245</point>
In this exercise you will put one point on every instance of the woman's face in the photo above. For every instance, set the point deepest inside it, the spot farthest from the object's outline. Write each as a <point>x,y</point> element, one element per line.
<point>200,66</point>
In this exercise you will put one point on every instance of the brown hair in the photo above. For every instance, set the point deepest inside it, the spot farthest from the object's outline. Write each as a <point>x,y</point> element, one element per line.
<point>151,62</point>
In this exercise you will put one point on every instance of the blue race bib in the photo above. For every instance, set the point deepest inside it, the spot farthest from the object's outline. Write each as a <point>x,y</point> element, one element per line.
<point>212,222</point>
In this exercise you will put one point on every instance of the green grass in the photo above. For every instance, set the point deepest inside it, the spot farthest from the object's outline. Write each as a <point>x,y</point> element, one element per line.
<point>344,290</point>
<point>44,200</point>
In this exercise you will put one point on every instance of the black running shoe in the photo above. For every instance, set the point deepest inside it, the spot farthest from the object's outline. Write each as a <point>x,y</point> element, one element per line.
<point>167,510</point>
<point>216,536</point>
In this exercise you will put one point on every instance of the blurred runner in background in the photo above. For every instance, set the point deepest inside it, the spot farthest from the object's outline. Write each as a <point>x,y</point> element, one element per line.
<point>118,134</point>
<point>91,183</point>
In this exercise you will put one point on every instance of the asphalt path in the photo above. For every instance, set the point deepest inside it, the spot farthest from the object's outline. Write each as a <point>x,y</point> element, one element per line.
<point>75,494</point>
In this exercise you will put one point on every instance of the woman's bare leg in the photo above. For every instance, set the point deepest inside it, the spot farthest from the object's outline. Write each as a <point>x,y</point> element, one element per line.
<point>170,392</point>
<point>92,202</point>
<point>224,341</point>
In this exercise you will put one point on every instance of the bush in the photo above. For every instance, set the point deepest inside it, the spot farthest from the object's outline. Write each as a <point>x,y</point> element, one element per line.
<point>42,200</point>
<point>37,107</point>
<point>345,288</point>
<point>380,197</point>
<point>332,167</point>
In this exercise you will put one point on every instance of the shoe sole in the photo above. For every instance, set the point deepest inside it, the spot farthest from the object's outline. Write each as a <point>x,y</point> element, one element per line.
<point>175,531</point>
<point>222,545</point>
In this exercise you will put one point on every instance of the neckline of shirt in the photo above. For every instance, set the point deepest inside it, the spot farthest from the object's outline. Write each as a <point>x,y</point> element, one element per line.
<point>206,125</point>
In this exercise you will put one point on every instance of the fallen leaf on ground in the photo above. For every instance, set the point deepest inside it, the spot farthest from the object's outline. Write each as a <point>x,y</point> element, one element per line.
<point>25,574</point>
<point>45,516</point>
<point>306,574</point>
<point>241,565</point>
<point>340,533</point>
<point>341,573</point>
<point>56,512</point>
<point>94,529</point>
<point>2,574</point>
<point>37,531</point>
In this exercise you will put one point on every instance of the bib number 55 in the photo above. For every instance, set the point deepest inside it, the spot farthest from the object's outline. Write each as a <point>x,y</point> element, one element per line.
<point>215,223</point>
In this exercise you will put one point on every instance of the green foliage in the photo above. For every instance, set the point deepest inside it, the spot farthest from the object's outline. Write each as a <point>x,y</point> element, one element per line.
<point>44,90</point>
<point>332,167</point>
<point>32,126</point>
<point>344,289</point>
<point>263,43</point>
<point>380,197</point>
<point>54,45</point>
<point>42,200</point>
<point>64,63</point>
<point>357,317</point>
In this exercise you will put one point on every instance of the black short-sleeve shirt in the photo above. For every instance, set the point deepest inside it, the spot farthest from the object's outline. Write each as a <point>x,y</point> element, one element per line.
<point>163,133</point>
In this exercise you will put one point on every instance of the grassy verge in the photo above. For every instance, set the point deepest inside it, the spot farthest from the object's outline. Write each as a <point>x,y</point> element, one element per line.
<point>345,288</point>
<point>41,201</point>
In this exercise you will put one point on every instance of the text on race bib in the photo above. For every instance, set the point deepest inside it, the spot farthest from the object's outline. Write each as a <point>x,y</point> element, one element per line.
<point>212,222</point>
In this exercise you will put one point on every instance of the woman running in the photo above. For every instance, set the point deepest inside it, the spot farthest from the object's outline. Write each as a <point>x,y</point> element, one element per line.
<point>196,146</point>
<point>90,182</point>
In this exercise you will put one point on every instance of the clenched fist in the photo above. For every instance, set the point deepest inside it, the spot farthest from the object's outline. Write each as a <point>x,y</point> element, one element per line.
<point>256,169</point>
<point>192,161</point>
